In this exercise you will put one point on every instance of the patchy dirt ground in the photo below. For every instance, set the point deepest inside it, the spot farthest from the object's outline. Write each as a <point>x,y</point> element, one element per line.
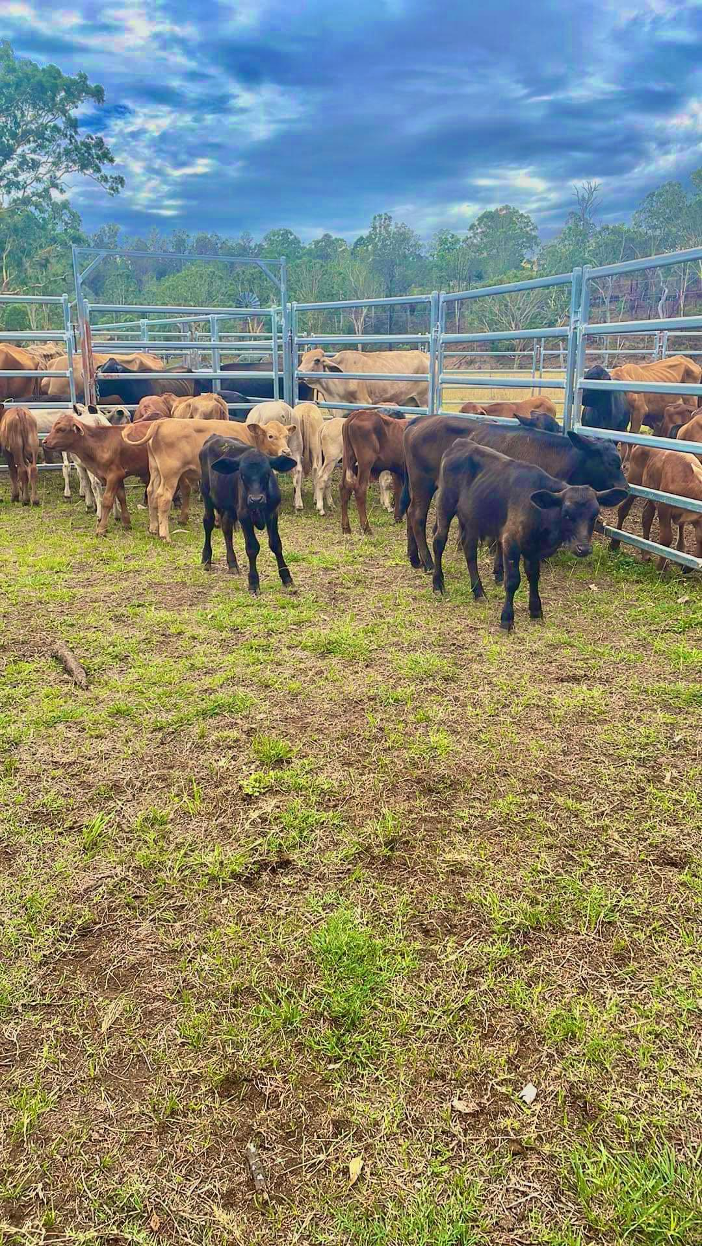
<point>339,874</point>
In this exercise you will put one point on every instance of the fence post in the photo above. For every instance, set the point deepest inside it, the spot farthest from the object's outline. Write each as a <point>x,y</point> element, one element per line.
<point>274,347</point>
<point>434,343</point>
<point>68,330</point>
<point>578,312</point>
<point>289,396</point>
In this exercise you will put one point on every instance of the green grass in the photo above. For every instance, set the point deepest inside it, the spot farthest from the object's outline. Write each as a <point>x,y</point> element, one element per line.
<point>307,870</point>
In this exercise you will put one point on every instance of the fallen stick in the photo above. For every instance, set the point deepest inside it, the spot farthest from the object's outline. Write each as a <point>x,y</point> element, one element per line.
<point>256,1170</point>
<point>70,663</point>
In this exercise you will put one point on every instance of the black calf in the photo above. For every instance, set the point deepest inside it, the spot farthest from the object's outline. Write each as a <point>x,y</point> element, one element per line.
<point>240,485</point>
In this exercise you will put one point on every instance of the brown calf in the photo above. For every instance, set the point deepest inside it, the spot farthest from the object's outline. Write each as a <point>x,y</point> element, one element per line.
<point>204,407</point>
<point>473,409</point>
<point>105,453</point>
<point>524,407</point>
<point>690,432</point>
<point>372,444</point>
<point>173,448</point>
<point>675,415</point>
<point>674,473</point>
<point>19,440</point>
<point>639,460</point>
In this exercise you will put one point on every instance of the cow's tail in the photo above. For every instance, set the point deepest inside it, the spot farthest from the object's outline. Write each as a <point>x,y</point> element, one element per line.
<point>139,441</point>
<point>348,461</point>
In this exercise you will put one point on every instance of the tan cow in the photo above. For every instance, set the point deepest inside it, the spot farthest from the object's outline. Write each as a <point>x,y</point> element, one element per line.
<point>11,359</point>
<point>57,388</point>
<point>204,407</point>
<point>264,413</point>
<point>524,407</point>
<point>335,388</point>
<point>650,408</point>
<point>174,451</point>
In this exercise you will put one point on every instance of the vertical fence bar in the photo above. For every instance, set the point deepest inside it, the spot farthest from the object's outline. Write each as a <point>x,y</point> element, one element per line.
<point>288,337</point>
<point>580,347</point>
<point>274,341</point>
<point>214,335</point>
<point>434,341</point>
<point>68,330</point>
<point>572,362</point>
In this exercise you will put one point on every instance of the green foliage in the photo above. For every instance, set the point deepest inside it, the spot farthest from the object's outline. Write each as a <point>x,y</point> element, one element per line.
<point>40,146</point>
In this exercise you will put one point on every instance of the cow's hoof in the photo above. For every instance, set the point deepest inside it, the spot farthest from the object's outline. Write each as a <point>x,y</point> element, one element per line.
<point>290,588</point>
<point>206,567</point>
<point>438,591</point>
<point>255,593</point>
<point>537,618</point>
<point>233,571</point>
<point>507,625</point>
<point>35,502</point>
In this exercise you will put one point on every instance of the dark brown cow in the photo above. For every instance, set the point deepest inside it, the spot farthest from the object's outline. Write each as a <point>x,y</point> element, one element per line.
<point>372,444</point>
<point>575,459</point>
<point>20,442</point>
<point>528,513</point>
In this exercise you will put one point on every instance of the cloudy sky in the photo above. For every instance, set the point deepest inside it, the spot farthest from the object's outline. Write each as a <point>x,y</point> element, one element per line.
<point>252,114</point>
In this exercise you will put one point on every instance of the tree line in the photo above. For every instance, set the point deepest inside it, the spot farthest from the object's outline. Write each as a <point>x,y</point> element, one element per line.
<point>43,149</point>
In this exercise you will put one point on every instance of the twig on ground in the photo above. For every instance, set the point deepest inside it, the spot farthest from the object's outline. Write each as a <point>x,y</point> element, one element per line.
<point>70,663</point>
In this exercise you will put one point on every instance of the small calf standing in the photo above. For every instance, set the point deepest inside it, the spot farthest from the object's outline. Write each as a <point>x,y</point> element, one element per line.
<point>241,486</point>
<point>372,444</point>
<point>528,513</point>
<point>20,442</point>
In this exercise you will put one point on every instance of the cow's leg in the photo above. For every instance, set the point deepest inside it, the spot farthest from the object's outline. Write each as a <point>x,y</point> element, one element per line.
<point>14,479</point>
<point>276,546</point>
<point>227,526</point>
<point>498,570</point>
<point>208,519</point>
<point>23,482</point>
<point>384,485</point>
<point>622,513</point>
<point>151,496</point>
<point>665,532</point>
<point>93,491</point>
<point>164,498</point>
<point>66,473</point>
<point>646,521</point>
<point>344,495</point>
<point>417,548</point>
<point>124,509</point>
<point>470,550</point>
<point>112,486</point>
<point>252,549</point>
<point>185,492</point>
<point>85,490</point>
<point>445,512</point>
<point>297,483</point>
<point>533,568</point>
<point>323,486</point>
<point>511,554</point>
<point>361,495</point>
<point>397,491</point>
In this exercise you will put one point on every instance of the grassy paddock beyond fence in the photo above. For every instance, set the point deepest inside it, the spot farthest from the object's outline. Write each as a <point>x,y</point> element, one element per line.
<point>339,874</point>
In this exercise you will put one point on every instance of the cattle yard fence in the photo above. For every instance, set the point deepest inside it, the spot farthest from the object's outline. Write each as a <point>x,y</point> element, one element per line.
<point>92,333</point>
<point>286,332</point>
<point>668,327</point>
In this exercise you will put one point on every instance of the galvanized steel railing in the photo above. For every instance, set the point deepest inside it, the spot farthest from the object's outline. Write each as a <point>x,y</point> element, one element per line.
<point>64,335</point>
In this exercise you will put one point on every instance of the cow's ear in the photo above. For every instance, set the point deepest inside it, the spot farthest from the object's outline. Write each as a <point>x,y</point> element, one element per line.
<point>582,443</point>
<point>292,428</point>
<point>226,466</point>
<point>546,499</point>
<point>78,428</point>
<point>611,497</point>
<point>527,421</point>
<point>92,409</point>
<point>283,463</point>
<point>328,366</point>
<point>77,408</point>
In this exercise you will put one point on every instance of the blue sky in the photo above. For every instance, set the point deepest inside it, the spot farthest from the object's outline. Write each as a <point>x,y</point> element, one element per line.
<point>314,115</point>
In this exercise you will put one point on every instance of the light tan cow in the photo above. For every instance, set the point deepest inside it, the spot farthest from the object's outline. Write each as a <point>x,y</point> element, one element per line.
<point>202,407</point>
<point>264,413</point>
<point>650,408</point>
<point>335,388</point>
<point>174,451</point>
<point>57,388</point>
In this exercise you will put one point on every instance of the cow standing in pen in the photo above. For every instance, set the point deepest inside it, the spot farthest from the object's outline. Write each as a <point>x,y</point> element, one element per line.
<point>20,442</point>
<point>240,485</point>
<point>525,511</point>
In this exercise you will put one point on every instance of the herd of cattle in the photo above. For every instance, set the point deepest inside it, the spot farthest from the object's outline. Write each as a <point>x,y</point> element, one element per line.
<point>526,491</point>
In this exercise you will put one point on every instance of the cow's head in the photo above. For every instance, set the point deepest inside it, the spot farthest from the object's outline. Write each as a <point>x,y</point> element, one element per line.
<point>272,438</point>
<point>600,465</point>
<point>316,361</point>
<point>574,511</point>
<point>112,365</point>
<point>65,433</point>
<point>256,476</point>
<point>538,420</point>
